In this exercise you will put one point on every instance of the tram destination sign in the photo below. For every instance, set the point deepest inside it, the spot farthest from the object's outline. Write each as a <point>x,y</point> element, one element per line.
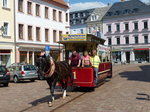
<point>74,37</point>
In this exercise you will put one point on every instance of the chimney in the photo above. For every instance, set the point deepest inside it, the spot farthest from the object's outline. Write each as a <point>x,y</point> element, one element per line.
<point>122,0</point>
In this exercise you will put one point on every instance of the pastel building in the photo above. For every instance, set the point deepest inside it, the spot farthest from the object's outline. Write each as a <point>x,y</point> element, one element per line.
<point>126,26</point>
<point>40,23</point>
<point>7,51</point>
<point>94,24</point>
<point>78,21</point>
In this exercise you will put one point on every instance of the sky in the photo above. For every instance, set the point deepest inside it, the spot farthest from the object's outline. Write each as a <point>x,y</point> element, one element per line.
<point>87,4</point>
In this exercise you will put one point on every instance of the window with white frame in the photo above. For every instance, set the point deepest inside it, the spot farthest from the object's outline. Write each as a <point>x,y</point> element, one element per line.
<point>5,3</point>
<point>6,29</point>
<point>89,30</point>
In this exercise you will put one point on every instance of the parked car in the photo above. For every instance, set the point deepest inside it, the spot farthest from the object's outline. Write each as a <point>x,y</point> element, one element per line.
<point>23,72</point>
<point>4,76</point>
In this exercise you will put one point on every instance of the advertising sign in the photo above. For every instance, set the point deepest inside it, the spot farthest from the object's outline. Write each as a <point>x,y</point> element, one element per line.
<point>74,37</point>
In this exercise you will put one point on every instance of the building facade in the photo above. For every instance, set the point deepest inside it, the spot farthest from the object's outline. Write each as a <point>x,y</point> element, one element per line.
<point>40,23</point>
<point>78,21</point>
<point>7,55</point>
<point>94,24</point>
<point>126,26</point>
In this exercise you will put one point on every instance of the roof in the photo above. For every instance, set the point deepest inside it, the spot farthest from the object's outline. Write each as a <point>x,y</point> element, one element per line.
<point>78,19</point>
<point>59,3</point>
<point>127,8</point>
<point>100,12</point>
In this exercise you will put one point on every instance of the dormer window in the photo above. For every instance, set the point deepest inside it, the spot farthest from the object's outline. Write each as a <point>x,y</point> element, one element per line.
<point>74,22</point>
<point>93,17</point>
<point>82,21</point>
<point>79,15</point>
<point>117,13</point>
<point>73,15</point>
<point>109,14</point>
<point>135,10</point>
<point>84,14</point>
<point>127,11</point>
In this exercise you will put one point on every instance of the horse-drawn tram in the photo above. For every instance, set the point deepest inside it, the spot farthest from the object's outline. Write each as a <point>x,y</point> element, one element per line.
<point>85,76</point>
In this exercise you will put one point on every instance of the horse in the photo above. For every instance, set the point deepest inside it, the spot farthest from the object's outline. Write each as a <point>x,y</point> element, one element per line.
<point>54,72</point>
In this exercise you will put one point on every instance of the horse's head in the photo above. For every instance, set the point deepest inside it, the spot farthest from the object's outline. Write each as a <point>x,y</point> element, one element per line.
<point>43,63</point>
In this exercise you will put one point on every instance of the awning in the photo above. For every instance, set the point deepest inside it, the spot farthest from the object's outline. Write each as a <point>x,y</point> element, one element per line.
<point>140,49</point>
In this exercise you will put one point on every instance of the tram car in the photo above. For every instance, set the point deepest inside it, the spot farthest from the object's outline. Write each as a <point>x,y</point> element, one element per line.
<point>84,76</point>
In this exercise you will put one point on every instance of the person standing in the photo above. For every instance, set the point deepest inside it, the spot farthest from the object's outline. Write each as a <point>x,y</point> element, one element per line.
<point>75,59</point>
<point>95,63</point>
<point>86,62</point>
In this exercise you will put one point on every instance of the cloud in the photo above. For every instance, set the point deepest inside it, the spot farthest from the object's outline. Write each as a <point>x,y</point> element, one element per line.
<point>86,5</point>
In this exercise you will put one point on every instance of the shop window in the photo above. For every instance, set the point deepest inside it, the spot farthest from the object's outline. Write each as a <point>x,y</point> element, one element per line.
<point>5,57</point>
<point>116,56</point>
<point>81,30</point>
<point>23,57</point>
<point>30,58</point>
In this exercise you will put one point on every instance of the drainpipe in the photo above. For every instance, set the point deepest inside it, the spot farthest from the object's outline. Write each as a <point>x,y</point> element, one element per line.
<point>15,31</point>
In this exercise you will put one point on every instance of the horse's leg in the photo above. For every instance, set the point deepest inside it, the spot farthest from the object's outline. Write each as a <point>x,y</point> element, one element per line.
<point>65,89</point>
<point>53,84</point>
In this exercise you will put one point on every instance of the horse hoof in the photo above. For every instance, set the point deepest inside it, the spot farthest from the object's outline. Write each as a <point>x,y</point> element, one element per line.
<point>50,104</point>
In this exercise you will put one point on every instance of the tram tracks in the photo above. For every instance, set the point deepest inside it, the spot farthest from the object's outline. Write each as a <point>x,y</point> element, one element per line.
<point>82,94</point>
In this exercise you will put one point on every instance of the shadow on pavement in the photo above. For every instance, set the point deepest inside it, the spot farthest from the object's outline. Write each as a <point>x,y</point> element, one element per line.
<point>45,99</point>
<point>143,75</point>
<point>142,96</point>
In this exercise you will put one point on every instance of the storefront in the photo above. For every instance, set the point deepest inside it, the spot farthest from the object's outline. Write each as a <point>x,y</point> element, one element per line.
<point>141,54</point>
<point>116,55</point>
<point>29,54</point>
<point>5,57</point>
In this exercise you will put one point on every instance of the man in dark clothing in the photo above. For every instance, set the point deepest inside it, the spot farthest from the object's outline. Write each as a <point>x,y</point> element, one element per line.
<point>75,59</point>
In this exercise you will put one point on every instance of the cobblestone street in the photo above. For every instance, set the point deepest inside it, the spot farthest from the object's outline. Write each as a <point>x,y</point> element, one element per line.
<point>127,91</point>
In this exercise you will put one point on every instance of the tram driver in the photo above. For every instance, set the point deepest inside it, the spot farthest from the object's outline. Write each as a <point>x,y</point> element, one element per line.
<point>75,59</point>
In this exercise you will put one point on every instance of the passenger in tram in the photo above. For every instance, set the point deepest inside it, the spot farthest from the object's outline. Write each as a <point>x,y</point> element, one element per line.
<point>75,59</point>
<point>86,62</point>
<point>95,63</point>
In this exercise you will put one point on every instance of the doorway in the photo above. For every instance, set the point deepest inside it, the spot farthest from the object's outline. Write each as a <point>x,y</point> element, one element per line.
<point>128,57</point>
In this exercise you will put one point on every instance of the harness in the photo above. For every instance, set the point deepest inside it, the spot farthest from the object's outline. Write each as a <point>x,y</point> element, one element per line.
<point>51,70</point>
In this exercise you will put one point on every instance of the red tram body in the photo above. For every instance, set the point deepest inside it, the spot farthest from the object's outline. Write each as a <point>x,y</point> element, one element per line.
<point>84,77</point>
